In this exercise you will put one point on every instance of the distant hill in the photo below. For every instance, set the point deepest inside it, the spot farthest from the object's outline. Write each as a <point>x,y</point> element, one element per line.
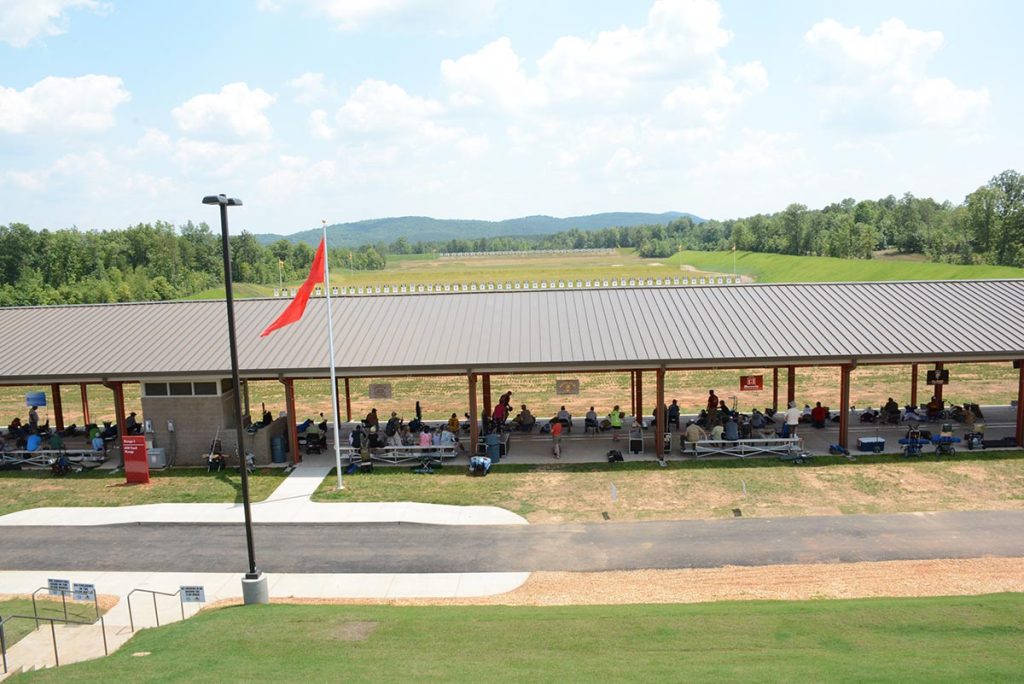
<point>424,228</point>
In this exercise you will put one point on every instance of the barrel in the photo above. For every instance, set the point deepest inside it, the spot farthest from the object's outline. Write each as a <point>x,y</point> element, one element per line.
<point>277,449</point>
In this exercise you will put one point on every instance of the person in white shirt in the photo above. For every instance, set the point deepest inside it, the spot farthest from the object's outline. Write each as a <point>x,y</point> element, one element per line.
<point>792,418</point>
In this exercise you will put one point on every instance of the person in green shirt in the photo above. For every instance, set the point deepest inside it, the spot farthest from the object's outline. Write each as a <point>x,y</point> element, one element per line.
<point>615,418</point>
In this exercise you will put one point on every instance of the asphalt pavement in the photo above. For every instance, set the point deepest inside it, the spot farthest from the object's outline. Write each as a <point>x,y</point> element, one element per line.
<point>416,548</point>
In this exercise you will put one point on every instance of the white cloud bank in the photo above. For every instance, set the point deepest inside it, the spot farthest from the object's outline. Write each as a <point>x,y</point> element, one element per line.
<point>22,21</point>
<point>69,105</point>
<point>235,109</point>
<point>350,15</point>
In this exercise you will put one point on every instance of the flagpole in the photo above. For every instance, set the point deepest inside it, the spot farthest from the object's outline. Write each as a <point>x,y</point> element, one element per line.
<point>330,342</point>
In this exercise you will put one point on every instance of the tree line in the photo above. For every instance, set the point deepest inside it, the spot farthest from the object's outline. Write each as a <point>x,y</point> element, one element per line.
<point>146,262</point>
<point>161,261</point>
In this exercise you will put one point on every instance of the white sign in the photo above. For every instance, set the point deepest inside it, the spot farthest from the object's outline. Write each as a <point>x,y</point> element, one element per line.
<point>83,592</point>
<point>58,587</point>
<point>193,594</point>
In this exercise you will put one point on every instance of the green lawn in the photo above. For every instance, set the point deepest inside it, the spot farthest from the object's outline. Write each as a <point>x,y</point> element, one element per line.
<point>952,639</point>
<point>709,489</point>
<point>20,490</point>
<point>47,606</point>
<point>781,268</point>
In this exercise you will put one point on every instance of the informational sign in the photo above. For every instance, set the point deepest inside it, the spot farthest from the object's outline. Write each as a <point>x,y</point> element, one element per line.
<point>751,383</point>
<point>938,377</point>
<point>193,593</point>
<point>380,390</point>
<point>58,587</point>
<point>567,386</point>
<point>83,592</point>
<point>37,399</point>
<point>136,461</point>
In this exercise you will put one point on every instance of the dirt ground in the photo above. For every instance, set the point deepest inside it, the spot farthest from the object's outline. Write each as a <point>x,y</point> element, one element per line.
<point>960,577</point>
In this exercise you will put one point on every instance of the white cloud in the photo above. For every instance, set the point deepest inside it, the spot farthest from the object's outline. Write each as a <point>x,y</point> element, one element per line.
<point>236,108</point>
<point>311,88</point>
<point>92,174</point>
<point>491,76</point>
<point>296,176</point>
<point>216,159</point>
<point>710,103</point>
<point>385,109</point>
<point>22,21</point>
<point>318,126</point>
<point>56,104</point>
<point>349,15</point>
<point>881,81</point>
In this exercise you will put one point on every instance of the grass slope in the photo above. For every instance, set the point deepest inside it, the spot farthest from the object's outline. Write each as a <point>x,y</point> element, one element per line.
<point>884,640</point>
<point>782,268</point>
<point>16,630</point>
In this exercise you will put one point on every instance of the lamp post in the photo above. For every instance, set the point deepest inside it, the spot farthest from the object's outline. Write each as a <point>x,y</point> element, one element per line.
<point>254,585</point>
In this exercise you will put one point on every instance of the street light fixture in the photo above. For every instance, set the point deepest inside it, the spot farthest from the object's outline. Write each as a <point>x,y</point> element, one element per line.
<point>254,585</point>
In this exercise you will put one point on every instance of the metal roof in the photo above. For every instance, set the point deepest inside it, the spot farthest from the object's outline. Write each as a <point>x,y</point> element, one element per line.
<point>543,331</point>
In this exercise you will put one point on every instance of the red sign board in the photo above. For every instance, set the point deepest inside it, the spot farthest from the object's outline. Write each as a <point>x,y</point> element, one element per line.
<point>136,460</point>
<point>751,383</point>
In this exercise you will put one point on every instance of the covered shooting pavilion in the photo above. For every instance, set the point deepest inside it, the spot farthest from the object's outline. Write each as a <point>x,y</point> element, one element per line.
<point>171,347</point>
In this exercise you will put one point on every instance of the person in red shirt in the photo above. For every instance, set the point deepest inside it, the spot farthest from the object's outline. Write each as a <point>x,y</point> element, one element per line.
<point>556,438</point>
<point>819,415</point>
<point>712,403</point>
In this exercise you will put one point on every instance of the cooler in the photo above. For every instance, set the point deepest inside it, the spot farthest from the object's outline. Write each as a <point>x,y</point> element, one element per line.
<point>874,444</point>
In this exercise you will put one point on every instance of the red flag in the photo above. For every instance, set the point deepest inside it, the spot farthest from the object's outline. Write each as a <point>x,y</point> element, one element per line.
<point>298,306</point>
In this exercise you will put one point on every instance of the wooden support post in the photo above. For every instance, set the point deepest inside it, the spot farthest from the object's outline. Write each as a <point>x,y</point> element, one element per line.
<point>639,410</point>
<point>790,384</point>
<point>85,404</point>
<point>337,413</point>
<point>938,388</point>
<point>293,430</point>
<point>1019,432</point>
<point>122,428</point>
<point>661,427</point>
<point>58,407</point>
<point>246,408</point>
<point>348,403</point>
<point>913,385</point>
<point>775,389</point>
<point>632,392</point>
<point>486,377</point>
<point>844,404</point>
<point>474,419</point>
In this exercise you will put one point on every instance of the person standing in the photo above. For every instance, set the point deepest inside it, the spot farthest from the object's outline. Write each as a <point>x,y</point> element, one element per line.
<point>792,419</point>
<point>712,403</point>
<point>556,438</point>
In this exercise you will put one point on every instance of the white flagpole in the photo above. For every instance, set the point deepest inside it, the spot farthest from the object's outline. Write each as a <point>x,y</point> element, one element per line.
<point>330,342</point>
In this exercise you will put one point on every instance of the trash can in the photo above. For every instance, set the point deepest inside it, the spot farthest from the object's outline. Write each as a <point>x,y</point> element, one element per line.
<point>493,443</point>
<point>277,449</point>
<point>157,458</point>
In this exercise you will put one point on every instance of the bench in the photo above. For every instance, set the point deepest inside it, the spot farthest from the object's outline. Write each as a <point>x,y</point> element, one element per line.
<point>403,454</point>
<point>44,458</point>
<point>786,448</point>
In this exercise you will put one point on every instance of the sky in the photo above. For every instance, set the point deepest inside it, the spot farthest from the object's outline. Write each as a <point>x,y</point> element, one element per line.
<point>115,112</point>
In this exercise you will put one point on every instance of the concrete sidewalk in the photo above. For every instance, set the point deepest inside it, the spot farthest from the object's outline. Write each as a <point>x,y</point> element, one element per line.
<point>289,503</point>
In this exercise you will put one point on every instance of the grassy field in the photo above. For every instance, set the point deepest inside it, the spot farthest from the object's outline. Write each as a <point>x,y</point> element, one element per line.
<point>885,640</point>
<point>981,383</point>
<point>709,489</point>
<point>781,268</point>
<point>20,490</point>
<point>15,630</point>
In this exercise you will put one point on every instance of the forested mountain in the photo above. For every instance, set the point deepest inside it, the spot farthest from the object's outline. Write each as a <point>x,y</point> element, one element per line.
<point>426,229</point>
<point>159,261</point>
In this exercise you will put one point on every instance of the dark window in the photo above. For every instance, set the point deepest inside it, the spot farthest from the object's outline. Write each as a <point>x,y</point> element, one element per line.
<point>205,388</point>
<point>156,389</point>
<point>181,389</point>
<point>225,385</point>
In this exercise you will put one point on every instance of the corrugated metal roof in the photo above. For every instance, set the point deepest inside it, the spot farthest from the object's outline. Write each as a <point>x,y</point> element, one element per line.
<point>553,331</point>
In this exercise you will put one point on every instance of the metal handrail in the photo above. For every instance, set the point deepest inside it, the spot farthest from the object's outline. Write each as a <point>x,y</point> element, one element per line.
<point>156,613</point>
<point>53,633</point>
<point>64,602</point>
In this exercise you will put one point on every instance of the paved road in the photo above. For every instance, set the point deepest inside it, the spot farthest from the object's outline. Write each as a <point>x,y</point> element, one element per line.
<point>395,547</point>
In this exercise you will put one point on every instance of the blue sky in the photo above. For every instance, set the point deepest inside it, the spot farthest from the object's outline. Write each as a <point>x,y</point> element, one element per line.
<point>113,112</point>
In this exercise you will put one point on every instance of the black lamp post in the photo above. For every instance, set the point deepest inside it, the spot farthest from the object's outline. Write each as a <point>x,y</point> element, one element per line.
<point>254,575</point>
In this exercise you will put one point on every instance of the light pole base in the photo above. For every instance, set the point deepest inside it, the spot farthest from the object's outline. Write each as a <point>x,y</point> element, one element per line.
<point>255,591</point>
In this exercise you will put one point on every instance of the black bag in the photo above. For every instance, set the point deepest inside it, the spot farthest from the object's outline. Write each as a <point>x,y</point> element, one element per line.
<point>615,455</point>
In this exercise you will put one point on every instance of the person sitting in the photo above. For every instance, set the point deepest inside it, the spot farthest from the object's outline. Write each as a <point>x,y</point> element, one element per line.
<point>425,437</point>
<point>746,432</point>
<point>109,433</point>
<point>673,414</point>
<point>499,415</point>
<point>716,432</point>
<point>912,414</point>
<point>315,440</point>
<point>757,421</point>
<point>394,422</point>
<point>590,421</point>
<point>935,408</point>
<point>322,424</point>
<point>408,436</point>
<point>731,430</point>
<point>453,423</point>
<point>268,417</point>
<point>565,418</point>
<point>447,438</point>
<point>891,411</point>
<point>805,415</point>
<point>525,420</point>
<point>131,425</point>
<point>371,420</point>
<point>693,434</point>
<point>819,416</point>
<point>869,415</point>
<point>15,429</point>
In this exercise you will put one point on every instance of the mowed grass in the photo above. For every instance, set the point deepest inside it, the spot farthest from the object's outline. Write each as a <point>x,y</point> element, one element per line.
<point>238,290</point>
<point>16,630</point>
<point>975,638</point>
<point>782,268</point>
<point>640,490</point>
<point>20,490</point>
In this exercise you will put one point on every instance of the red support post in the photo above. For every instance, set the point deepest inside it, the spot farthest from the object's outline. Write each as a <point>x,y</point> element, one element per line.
<point>913,385</point>
<point>85,404</point>
<point>348,403</point>
<point>938,388</point>
<point>122,428</point>
<point>660,424</point>
<point>474,419</point>
<point>632,392</point>
<point>844,405</point>
<point>58,407</point>
<point>293,430</point>
<point>486,377</point>
<point>638,411</point>
<point>790,384</point>
<point>775,389</point>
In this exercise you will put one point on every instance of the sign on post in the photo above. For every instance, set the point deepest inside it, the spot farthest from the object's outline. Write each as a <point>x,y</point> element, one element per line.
<point>938,377</point>
<point>193,593</point>
<point>83,592</point>
<point>567,386</point>
<point>380,390</point>
<point>751,383</point>
<point>136,461</point>
<point>37,399</point>
<point>58,587</point>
